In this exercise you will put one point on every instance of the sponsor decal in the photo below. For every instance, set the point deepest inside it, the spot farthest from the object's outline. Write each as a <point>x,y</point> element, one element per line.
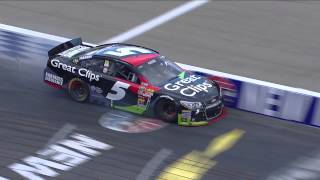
<point>56,63</point>
<point>148,93</point>
<point>106,66</point>
<point>143,102</point>
<point>119,91</point>
<point>145,92</point>
<point>53,78</point>
<point>76,61</point>
<point>130,123</point>
<point>144,95</point>
<point>229,89</point>
<point>188,90</point>
<point>96,89</point>
<point>186,114</point>
<point>141,90</point>
<point>124,51</point>
<point>63,155</point>
<point>85,57</point>
<point>182,75</point>
<point>73,51</point>
<point>82,71</point>
<point>88,74</point>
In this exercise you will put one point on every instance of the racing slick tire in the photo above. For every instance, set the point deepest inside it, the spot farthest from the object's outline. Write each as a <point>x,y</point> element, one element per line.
<point>78,90</point>
<point>166,110</point>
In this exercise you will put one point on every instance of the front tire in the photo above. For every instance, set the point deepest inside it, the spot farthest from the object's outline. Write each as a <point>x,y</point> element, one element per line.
<point>78,90</point>
<point>166,110</point>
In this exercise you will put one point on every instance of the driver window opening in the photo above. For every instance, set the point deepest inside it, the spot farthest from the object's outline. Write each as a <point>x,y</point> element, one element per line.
<point>95,65</point>
<point>122,71</point>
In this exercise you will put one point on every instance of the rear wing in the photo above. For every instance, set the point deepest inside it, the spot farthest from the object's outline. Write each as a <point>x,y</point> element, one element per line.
<point>65,46</point>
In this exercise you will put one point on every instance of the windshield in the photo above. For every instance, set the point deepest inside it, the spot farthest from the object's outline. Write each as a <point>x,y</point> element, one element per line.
<point>159,71</point>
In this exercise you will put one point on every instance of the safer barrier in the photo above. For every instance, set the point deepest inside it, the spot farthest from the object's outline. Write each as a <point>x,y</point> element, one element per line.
<point>283,102</point>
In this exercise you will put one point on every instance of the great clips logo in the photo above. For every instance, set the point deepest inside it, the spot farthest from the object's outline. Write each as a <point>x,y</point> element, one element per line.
<point>186,89</point>
<point>82,71</point>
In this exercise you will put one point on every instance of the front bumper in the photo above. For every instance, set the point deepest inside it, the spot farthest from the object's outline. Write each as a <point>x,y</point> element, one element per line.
<point>200,117</point>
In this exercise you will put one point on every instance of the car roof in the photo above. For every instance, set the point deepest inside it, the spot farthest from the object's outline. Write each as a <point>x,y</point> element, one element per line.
<point>128,53</point>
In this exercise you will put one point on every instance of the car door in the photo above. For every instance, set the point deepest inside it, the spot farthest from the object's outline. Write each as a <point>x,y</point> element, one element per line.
<point>128,92</point>
<point>119,85</point>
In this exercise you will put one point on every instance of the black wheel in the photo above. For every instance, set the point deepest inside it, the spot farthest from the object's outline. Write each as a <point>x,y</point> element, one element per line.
<point>166,110</point>
<point>78,90</point>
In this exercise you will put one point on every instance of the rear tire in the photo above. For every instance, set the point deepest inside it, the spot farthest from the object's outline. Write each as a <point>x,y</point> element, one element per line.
<point>78,90</point>
<point>166,110</point>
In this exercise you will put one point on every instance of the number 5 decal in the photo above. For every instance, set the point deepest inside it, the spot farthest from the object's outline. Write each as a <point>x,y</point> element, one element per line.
<point>119,87</point>
<point>125,51</point>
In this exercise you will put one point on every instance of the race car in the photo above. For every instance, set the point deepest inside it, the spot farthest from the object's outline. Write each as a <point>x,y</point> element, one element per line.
<point>135,79</point>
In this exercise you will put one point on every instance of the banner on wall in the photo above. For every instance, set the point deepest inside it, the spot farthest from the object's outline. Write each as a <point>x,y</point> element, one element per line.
<point>265,98</point>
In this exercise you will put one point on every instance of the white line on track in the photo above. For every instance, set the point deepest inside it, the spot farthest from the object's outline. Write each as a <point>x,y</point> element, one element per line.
<point>305,167</point>
<point>32,33</point>
<point>157,21</point>
<point>153,164</point>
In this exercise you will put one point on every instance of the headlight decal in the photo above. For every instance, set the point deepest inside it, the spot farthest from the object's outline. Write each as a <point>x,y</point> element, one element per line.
<point>191,105</point>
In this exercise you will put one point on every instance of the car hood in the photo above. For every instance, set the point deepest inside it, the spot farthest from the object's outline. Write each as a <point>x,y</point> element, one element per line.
<point>191,88</point>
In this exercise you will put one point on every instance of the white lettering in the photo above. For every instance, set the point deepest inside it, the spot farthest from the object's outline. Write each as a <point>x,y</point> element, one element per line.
<point>37,166</point>
<point>56,63</point>
<point>125,51</point>
<point>171,87</point>
<point>64,155</point>
<point>73,51</point>
<point>53,78</point>
<point>84,144</point>
<point>119,89</point>
<point>58,157</point>
<point>194,88</point>
<point>202,87</point>
<point>183,92</point>
<point>88,74</point>
<point>82,71</point>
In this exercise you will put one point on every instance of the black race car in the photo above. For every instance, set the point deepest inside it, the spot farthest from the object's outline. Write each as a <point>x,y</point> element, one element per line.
<point>135,79</point>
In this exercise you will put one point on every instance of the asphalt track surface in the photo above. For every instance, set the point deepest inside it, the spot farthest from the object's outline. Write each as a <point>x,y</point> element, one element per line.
<point>31,112</point>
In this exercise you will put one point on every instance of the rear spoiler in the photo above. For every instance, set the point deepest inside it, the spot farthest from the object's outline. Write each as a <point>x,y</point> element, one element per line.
<point>65,46</point>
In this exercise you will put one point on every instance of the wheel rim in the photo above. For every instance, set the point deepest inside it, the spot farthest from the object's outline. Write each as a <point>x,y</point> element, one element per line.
<point>77,90</point>
<point>169,109</point>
